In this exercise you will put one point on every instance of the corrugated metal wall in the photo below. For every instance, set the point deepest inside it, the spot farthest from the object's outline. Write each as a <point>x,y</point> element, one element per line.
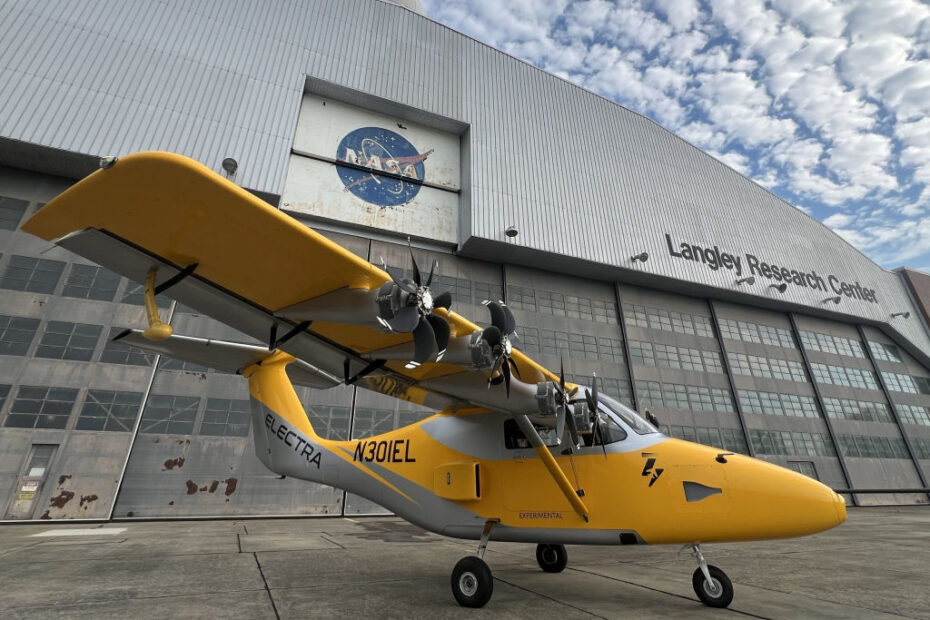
<point>576,174</point>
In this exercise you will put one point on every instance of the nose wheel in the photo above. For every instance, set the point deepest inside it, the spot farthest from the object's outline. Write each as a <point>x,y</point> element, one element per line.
<point>710,583</point>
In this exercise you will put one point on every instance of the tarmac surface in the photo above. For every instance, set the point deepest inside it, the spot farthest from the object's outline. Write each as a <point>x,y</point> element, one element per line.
<point>876,565</point>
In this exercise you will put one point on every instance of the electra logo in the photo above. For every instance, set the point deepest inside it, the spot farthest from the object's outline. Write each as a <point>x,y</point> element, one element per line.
<point>381,161</point>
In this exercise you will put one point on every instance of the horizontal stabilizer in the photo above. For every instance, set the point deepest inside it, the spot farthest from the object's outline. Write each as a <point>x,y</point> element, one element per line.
<point>226,356</point>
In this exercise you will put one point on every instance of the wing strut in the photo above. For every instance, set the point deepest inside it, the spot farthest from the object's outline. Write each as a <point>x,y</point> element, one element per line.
<point>554,470</point>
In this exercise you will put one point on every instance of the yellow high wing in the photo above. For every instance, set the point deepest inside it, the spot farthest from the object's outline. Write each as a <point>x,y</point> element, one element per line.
<point>226,253</point>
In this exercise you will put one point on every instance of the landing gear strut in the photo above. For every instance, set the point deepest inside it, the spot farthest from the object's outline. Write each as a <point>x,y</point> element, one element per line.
<point>472,582</point>
<point>551,558</point>
<point>710,583</point>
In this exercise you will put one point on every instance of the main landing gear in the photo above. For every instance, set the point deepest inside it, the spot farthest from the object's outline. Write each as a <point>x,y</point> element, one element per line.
<point>710,583</point>
<point>472,582</point>
<point>551,558</point>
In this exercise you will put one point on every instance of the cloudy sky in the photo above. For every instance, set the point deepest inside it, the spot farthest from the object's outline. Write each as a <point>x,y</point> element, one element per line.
<point>826,103</point>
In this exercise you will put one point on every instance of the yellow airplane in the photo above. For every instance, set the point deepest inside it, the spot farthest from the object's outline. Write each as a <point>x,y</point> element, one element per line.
<point>514,454</point>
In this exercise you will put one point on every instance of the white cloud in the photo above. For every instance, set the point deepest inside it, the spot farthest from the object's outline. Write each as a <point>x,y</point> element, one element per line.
<point>838,220</point>
<point>826,102</point>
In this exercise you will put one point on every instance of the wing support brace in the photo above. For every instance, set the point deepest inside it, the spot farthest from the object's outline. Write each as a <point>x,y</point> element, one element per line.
<point>156,330</point>
<point>554,470</point>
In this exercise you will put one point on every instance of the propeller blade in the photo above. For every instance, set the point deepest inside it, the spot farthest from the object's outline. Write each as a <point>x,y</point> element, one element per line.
<point>505,369</point>
<point>510,323</point>
<point>416,270</point>
<point>560,422</point>
<point>562,376</point>
<point>598,434</point>
<point>514,367</point>
<point>424,341</point>
<point>405,320</point>
<point>441,329</point>
<point>492,335</point>
<point>572,429</point>
<point>515,339</point>
<point>443,300</point>
<point>498,318</point>
<point>495,380</point>
<point>432,268</point>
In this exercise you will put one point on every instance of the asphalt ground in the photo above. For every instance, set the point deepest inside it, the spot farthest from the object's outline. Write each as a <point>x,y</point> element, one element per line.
<point>876,565</point>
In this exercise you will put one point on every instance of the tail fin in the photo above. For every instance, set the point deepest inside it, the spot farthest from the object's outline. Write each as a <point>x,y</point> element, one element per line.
<point>280,425</point>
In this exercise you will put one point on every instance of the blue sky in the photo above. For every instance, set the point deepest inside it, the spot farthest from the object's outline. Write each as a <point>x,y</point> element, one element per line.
<point>826,104</point>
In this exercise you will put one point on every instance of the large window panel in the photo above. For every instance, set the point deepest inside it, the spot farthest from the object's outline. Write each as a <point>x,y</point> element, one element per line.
<point>167,414</point>
<point>68,341</point>
<point>41,407</point>
<point>16,334</point>
<point>11,212</point>
<point>226,417</point>
<point>108,410</point>
<point>34,275</point>
<point>90,282</point>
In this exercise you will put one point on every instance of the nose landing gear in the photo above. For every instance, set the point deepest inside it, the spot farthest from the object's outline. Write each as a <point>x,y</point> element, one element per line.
<point>710,583</point>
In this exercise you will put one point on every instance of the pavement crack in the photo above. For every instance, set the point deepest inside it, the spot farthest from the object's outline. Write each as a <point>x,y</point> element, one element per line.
<point>239,542</point>
<point>549,598</point>
<point>330,540</point>
<point>274,607</point>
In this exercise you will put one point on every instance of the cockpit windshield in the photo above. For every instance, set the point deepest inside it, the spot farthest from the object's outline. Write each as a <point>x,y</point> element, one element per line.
<point>630,417</point>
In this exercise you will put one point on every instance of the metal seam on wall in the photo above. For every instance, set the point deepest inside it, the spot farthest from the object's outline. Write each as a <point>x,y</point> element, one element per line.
<point>823,410</point>
<point>725,361</point>
<point>626,347</point>
<point>893,407</point>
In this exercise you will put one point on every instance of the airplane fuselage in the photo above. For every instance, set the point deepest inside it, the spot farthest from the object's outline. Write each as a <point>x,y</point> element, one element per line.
<point>452,473</point>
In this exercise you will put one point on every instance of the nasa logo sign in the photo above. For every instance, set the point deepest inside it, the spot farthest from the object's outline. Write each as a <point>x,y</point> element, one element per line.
<point>381,161</point>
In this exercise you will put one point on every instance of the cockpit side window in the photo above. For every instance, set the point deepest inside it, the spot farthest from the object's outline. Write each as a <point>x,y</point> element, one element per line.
<point>629,417</point>
<point>608,431</point>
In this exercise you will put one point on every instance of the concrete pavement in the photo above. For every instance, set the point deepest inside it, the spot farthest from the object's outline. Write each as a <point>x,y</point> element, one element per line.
<point>877,565</point>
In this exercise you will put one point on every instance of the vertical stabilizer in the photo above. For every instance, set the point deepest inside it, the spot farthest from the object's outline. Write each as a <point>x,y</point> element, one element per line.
<point>284,439</point>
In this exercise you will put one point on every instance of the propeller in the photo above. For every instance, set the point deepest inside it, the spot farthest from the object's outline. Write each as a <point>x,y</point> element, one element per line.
<point>591,398</point>
<point>413,304</point>
<point>501,337</point>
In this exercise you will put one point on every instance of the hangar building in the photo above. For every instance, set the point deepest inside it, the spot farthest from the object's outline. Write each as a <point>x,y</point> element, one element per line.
<point>734,317</point>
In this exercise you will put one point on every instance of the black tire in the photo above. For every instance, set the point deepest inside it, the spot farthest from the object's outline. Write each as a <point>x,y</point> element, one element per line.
<point>552,558</point>
<point>719,594</point>
<point>472,583</point>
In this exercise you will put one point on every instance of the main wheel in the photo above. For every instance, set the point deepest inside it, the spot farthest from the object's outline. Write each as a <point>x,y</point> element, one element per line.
<point>716,593</point>
<point>472,583</point>
<point>552,558</point>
